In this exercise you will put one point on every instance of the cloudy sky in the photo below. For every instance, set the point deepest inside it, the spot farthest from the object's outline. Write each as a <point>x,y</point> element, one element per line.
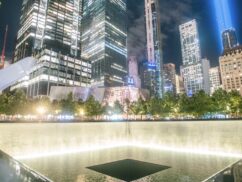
<point>173,13</point>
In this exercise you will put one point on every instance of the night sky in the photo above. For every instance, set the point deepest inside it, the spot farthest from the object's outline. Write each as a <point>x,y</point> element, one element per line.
<point>173,13</point>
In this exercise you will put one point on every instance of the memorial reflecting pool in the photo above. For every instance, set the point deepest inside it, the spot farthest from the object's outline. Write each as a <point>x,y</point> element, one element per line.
<point>156,151</point>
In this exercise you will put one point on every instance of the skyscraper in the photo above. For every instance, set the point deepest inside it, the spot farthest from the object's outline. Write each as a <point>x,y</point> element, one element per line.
<point>191,51</point>
<point>154,71</point>
<point>104,36</point>
<point>194,68</point>
<point>229,39</point>
<point>50,31</point>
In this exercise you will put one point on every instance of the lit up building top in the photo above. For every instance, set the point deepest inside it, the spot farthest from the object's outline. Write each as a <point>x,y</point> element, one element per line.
<point>191,52</point>
<point>194,70</point>
<point>104,37</point>
<point>50,31</point>
<point>51,24</point>
<point>229,39</point>
<point>154,51</point>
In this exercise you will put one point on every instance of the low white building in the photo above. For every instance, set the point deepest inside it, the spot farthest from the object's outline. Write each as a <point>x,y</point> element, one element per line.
<point>104,95</point>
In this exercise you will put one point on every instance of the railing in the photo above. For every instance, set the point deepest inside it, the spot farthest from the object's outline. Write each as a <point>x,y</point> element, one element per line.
<point>12,170</point>
<point>231,173</point>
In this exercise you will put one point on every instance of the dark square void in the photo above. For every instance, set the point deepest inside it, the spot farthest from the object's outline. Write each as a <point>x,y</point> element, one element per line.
<point>128,170</point>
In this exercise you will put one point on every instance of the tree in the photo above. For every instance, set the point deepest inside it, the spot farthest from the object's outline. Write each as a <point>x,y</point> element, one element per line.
<point>118,108</point>
<point>68,106</point>
<point>234,99</point>
<point>169,104</point>
<point>219,101</point>
<point>201,104</point>
<point>14,102</point>
<point>93,107</point>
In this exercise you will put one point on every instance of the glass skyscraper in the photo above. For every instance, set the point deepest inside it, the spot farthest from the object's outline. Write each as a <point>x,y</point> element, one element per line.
<point>154,67</point>
<point>104,37</point>
<point>50,30</point>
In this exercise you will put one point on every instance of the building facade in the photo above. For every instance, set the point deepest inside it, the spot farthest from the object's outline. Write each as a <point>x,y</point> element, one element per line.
<point>134,72</point>
<point>106,96</point>
<point>104,37</point>
<point>230,68</point>
<point>170,78</point>
<point>154,52</point>
<point>194,70</point>
<point>193,78</point>
<point>215,80</point>
<point>50,31</point>
<point>179,85</point>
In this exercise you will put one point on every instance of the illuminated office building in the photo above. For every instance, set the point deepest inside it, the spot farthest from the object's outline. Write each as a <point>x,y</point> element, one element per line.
<point>50,31</point>
<point>191,52</point>
<point>104,37</point>
<point>194,70</point>
<point>154,67</point>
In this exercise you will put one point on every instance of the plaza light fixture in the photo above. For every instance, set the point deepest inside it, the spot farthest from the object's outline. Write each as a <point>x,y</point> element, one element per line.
<point>41,110</point>
<point>82,112</point>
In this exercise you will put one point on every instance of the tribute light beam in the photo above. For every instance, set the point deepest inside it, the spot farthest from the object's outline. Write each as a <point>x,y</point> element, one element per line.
<point>223,16</point>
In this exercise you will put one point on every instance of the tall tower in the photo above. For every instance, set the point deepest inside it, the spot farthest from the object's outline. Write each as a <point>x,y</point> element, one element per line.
<point>50,31</point>
<point>104,37</point>
<point>194,69</point>
<point>229,39</point>
<point>154,51</point>
<point>189,37</point>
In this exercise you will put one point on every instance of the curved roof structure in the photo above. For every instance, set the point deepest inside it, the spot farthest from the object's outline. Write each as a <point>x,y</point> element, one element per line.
<point>15,72</point>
